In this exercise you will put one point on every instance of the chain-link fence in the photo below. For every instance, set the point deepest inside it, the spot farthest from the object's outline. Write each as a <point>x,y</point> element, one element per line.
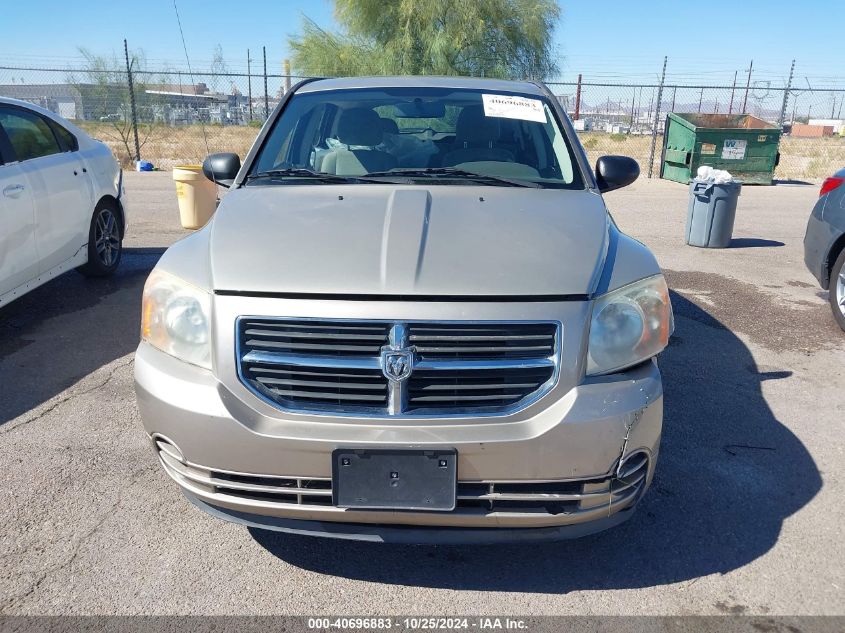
<point>627,118</point>
<point>179,117</point>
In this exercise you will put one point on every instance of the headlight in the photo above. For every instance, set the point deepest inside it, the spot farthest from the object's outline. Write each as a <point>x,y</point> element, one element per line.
<point>629,325</point>
<point>176,318</point>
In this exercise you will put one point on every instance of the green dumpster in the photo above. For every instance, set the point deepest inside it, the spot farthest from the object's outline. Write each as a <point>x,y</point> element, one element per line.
<point>742,144</point>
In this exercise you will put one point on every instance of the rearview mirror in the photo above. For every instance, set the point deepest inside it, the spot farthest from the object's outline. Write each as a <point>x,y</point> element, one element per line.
<point>419,109</point>
<point>222,168</point>
<point>615,172</point>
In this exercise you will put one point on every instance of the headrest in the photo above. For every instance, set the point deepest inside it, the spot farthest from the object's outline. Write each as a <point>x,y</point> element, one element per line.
<point>388,126</point>
<point>474,127</point>
<point>359,126</point>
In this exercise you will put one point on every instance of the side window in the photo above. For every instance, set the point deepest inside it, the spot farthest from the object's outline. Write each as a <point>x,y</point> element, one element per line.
<point>29,134</point>
<point>68,140</point>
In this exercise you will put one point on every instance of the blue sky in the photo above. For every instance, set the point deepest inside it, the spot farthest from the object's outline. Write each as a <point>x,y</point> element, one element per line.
<point>705,41</point>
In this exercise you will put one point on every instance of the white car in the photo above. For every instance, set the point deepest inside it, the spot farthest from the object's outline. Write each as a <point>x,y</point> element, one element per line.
<point>62,202</point>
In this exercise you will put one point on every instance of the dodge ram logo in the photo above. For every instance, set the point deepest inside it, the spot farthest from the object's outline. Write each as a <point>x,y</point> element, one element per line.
<point>397,365</point>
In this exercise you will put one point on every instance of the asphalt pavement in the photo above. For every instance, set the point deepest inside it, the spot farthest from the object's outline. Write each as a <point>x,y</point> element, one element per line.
<point>744,517</point>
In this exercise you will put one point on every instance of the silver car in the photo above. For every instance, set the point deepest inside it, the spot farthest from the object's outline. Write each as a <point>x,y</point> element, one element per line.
<point>411,319</point>
<point>824,242</point>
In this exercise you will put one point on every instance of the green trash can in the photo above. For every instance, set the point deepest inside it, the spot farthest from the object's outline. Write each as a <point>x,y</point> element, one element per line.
<point>742,144</point>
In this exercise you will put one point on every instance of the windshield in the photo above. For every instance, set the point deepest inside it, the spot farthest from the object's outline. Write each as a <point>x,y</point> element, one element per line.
<point>438,135</point>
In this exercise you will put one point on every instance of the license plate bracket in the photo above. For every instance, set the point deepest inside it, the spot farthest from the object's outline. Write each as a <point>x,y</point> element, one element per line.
<point>394,479</point>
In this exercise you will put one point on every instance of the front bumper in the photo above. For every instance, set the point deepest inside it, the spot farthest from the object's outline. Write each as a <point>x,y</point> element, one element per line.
<point>578,465</point>
<point>818,241</point>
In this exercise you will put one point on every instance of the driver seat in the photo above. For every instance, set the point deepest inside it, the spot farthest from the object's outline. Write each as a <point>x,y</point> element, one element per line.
<point>360,130</point>
<point>475,134</point>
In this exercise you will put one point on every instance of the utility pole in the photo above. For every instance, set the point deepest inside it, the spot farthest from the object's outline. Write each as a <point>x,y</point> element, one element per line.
<point>639,103</point>
<point>650,103</point>
<point>249,81</point>
<point>731,107</point>
<point>656,119</point>
<point>578,98</point>
<point>747,86</point>
<point>287,75</point>
<point>132,101</point>
<point>266,97</point>
<point>786,94</point>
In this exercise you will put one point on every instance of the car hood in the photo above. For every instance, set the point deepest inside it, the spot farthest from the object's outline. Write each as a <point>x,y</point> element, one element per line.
<point>408,240</point>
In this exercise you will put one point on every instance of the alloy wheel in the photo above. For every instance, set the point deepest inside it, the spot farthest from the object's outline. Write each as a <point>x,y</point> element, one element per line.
<point>840,290</point>
<point>107,237</point>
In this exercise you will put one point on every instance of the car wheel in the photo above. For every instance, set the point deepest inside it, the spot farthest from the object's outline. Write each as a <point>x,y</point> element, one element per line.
<point>105,243</point>
<point>837,290</point>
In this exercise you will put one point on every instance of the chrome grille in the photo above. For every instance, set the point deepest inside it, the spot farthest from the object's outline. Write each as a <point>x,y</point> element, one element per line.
<point>475,388</point>
<point>471,341</point>
<point>324,338</point>
<point>457,368</point>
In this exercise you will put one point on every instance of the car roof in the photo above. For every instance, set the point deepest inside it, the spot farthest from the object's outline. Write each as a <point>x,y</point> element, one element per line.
<point>31,106</point>
<point>476,83</point>
<point>81,135</point>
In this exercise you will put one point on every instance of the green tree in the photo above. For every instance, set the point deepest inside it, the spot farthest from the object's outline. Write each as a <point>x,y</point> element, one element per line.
<point>490,38</point>
<point>104,90</point>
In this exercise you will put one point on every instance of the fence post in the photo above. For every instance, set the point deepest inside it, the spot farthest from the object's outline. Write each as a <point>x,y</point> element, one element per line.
<point>786,95</point>
<point>578,98</point>
<point>132,101</point>
<point>266,97</point>
<point>249,82</point>
<point>287,76</point>
<point>656,119</point>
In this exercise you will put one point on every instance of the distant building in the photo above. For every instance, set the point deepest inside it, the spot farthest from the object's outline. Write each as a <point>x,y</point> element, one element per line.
<point>838,125</point>
<point>63,99</point>
<point>804,130</point>
<point>183,104</point>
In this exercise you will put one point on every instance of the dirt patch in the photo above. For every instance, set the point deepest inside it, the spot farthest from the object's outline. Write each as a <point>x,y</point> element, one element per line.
<point>799,284</point>
<point>769,320</point>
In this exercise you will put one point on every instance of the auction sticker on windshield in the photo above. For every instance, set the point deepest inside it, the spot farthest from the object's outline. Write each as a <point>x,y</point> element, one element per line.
<point>510,107</point>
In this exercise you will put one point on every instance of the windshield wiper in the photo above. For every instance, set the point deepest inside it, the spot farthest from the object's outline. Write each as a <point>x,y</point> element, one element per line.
<point>302,172</point>
<point>434,172</point>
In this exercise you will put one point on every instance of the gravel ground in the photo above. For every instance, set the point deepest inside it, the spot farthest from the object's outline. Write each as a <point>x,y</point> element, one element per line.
<point>744,516</point>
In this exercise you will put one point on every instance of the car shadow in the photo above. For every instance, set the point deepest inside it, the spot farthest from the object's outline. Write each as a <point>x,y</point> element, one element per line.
<point>753,242</point>
<point>57,334</point>
<point>729,474</point>
<point>792,181</point>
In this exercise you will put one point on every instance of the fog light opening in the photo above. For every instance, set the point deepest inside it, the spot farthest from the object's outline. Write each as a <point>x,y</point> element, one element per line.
<point>162,444</point>
<point>631,474</point>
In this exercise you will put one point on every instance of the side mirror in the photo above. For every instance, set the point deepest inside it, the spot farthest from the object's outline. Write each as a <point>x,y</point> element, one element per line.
<point>221,168</point>
<point>615,172</point>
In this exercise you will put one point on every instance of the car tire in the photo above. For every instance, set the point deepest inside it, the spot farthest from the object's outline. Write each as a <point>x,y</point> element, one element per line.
<point>105,242</point>
<point>837,289</point>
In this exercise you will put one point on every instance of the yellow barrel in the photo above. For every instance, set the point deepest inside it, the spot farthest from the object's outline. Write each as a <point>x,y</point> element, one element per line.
<point>196,194</point>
